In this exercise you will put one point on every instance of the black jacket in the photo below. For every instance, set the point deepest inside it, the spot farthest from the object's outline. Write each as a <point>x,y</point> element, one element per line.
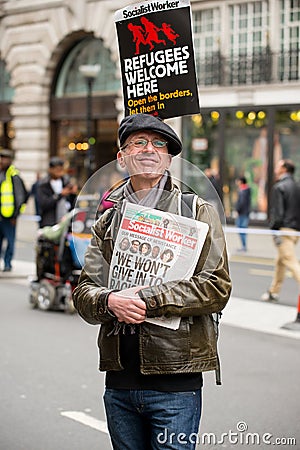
<point>285,201</point>
<point>243,205</point>
<point>47,200</point>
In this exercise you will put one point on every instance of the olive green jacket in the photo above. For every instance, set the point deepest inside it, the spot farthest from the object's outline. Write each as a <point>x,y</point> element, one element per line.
<point>191,348</point>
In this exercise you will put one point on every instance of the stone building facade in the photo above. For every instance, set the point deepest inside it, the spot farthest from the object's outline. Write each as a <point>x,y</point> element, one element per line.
<point>34,37</point>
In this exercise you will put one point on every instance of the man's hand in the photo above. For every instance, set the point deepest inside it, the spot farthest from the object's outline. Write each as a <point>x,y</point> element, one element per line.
<point>127,309</point>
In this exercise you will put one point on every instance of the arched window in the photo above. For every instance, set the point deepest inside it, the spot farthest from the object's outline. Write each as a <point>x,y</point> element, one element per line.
<point>88,51</point>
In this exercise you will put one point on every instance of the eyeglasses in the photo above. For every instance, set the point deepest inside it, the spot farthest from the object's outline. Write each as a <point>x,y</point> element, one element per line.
<point>142,143</point>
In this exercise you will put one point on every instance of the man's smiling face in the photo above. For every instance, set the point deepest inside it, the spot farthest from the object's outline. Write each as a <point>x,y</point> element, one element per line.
<point>145,155</point>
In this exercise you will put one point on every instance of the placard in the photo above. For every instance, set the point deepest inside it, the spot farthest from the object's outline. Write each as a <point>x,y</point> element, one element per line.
<point>157,58</point>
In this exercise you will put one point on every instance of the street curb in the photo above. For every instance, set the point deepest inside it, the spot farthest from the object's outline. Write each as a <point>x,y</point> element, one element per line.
<point>251,259</point>
<point>260,316</point>
<point>21,269</point>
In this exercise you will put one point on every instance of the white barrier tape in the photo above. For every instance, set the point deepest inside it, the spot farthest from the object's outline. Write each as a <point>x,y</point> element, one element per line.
<point>32,218</point>
<point>235,230</point>
<point>261,231</point>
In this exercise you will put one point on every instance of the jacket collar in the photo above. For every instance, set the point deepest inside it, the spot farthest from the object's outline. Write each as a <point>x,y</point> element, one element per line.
<point>284,176</point>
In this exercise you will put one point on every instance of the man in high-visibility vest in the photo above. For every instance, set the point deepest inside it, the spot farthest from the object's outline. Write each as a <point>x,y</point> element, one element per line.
<point>13,196</point>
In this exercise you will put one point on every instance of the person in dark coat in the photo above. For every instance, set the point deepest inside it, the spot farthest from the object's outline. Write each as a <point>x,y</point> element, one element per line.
<point>34,193</point>
<point>243,208</point>
<point>284,217</point>
<point>56,194</point>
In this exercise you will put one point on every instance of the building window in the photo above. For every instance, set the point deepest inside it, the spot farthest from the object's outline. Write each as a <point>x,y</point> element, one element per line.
<point>246,58</point>
<point>207,46</point>
<point>289,61</point>
<point>249,51</point>
<point>246,151</point>
<point>247,154</point>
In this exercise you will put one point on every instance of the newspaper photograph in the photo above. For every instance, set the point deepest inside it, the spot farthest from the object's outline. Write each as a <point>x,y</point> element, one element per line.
<point>154,247</point>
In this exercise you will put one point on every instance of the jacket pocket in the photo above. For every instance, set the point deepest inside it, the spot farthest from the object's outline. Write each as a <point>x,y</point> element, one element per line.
<point>108,349</point>
<point>203,337</point>
<point>160,345</point>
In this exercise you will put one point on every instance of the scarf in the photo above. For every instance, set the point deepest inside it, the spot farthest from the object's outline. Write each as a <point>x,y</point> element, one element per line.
<point>151,199</point>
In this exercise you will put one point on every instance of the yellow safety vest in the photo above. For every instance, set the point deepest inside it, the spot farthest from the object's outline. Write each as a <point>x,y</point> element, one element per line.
<point>7,193</point>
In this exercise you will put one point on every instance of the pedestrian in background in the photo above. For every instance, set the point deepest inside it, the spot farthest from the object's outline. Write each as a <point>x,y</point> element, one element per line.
<point>213,190</point>
<point>13,196</point>
<point>214,178</point>
<point>153,374</point>
<point>56,194</point>
<point>284,216</point>
<point>243,208</point>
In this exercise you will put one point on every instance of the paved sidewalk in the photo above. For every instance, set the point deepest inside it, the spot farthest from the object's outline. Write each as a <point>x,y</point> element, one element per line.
<point>27,228</point>
<point>260,246</point>
<point>260,316</point>
<point>21,269</point>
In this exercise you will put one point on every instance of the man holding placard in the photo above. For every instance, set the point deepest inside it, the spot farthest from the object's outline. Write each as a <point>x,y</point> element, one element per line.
<point>153,389</point>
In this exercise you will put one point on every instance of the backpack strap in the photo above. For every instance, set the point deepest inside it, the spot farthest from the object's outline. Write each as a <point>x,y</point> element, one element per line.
<point>106,218</point>
<point>216,318</point>
<point>187,204</point>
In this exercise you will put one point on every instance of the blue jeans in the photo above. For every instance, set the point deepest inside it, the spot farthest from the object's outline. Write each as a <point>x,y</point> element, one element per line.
<point>8,232</point>
<point>243,222</point>
<point>144,420</point>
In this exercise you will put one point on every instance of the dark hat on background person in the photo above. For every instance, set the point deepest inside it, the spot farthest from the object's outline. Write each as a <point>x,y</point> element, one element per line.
<point>7,153</point>
<point>138,122</point>
<point>55,161</point>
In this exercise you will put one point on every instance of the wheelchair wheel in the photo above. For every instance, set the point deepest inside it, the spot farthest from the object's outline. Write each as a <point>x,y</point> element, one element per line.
<point>33,294</point>
<point>46,295</point>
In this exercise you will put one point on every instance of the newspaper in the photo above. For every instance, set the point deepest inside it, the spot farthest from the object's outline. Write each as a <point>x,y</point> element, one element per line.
<point>153,247</point>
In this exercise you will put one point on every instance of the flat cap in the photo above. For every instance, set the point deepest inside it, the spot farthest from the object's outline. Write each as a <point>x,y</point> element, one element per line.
<point>56,161</point>
<point>7,153</point>
<point>137,122</point>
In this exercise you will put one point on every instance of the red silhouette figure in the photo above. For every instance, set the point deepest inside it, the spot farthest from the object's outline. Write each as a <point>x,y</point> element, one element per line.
<point>138,36</point>
<point>151,33</point>
<point>169,32</point>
